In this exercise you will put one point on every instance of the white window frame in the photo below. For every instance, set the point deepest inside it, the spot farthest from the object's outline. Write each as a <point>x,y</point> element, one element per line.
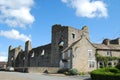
<point>90,53</point>
<point>109,53</point>
<point>91,63</point>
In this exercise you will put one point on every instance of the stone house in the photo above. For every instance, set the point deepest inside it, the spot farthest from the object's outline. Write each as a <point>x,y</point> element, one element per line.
<point>109,48</point>
<point>69,48</point>
<point>3,65</point>
<point>79,55</point>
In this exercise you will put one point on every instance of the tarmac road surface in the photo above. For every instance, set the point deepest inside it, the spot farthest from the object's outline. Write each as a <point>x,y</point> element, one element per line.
<point>39,76</point>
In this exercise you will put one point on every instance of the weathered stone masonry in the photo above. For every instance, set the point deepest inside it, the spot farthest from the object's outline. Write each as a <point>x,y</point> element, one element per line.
<point>69,48</point>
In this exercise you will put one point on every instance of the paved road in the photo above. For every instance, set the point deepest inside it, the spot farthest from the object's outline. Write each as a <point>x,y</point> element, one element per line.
<point>38,76</point>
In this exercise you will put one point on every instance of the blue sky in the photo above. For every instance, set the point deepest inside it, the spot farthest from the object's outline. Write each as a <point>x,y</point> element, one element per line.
<point>22,20</point>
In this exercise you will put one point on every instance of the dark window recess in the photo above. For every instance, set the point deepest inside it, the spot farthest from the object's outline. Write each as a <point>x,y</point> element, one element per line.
<point>73,35</point>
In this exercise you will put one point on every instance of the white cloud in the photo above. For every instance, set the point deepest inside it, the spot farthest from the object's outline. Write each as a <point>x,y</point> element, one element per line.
<point>16,13</point>
<point>88,8</point>
<point>14,34</point>
<point>3,58</point>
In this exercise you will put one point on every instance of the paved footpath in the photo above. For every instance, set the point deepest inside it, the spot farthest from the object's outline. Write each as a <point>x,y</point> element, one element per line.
<point>38,76</point>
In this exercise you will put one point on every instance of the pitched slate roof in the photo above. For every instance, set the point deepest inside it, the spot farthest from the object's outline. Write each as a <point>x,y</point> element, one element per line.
<point>110,46</point>
<point>71,45</point>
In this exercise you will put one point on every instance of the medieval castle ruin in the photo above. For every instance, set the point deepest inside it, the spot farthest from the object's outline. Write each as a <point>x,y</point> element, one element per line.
<point>69,48</point>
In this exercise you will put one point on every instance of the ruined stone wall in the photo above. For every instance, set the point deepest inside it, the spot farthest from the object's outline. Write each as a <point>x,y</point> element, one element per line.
<point>47,55</point>
<point>12,56</point>
<point>40,56</point>
<point>20,60</point>
<point>43,69</point>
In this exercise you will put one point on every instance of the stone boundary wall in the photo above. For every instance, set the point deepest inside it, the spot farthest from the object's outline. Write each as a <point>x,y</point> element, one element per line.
<point>43,69</point>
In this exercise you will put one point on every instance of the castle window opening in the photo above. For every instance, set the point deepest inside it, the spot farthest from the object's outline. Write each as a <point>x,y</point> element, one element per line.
<point>61,43</point>
<point>33,54</point>
<point>12,58</point>
<point>23,58</point>
<point>43,52</point>
<point>73,35</point>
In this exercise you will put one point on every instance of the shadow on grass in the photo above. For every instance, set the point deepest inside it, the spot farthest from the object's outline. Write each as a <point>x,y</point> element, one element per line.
<point>88,79</point>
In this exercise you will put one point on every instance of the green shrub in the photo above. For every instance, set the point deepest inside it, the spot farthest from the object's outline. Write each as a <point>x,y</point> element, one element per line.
<point>114,70</point>
<point>118,66</point>
<point>73,71</point>
<point>106,74</point>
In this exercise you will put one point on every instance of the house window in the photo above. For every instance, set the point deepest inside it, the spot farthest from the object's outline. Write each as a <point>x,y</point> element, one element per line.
<point>91,64</point>
<point>109,53</point>
<point>109,63</point>
<point>90,53</point>
<point>73,35</point>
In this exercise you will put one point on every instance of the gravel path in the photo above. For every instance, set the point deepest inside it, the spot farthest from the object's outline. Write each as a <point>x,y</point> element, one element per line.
<point>39,76</point>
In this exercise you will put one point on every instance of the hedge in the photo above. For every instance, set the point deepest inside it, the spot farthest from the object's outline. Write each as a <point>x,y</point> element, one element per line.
<point>106,74</point>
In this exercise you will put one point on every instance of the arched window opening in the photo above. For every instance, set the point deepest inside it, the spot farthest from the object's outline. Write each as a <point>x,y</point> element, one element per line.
<point>33,54</point>
<point>43,52</point>
<point>61,44</point>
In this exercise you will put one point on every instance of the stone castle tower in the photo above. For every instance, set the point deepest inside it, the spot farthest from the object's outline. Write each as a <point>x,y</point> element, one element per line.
<point>62,37</point>
<point>28,48</point>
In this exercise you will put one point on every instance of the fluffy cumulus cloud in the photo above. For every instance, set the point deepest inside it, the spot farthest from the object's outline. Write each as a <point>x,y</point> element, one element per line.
<point>14,34</point>
<point>16,13</point>
<point>88,8</point>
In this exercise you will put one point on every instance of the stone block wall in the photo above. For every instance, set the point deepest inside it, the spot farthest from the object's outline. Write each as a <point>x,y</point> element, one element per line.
<point>43,69</point>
